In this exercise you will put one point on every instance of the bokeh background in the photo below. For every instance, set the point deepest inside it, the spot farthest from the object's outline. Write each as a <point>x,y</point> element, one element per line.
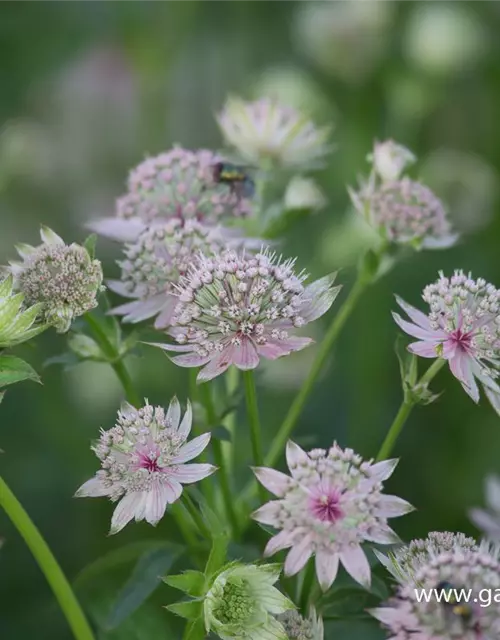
<point>88,89</point>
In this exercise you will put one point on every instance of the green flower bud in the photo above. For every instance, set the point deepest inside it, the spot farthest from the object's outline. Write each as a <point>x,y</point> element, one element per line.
<point>17,324</point>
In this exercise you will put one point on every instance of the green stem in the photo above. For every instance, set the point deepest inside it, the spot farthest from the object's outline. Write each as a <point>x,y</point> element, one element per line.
<point>47,563</point>
<point>404,411</point>
<point>114,360</point>
<point>222,472</point>
<point>254,421</point>
<point>194,512</point>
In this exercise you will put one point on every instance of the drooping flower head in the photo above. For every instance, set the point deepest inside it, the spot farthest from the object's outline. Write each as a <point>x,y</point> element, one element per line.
<point>447,616</point>
<point>331,504</point>
<point>406,562</point>
<point>235,308</point>
<point>63,279</point>
<point>242,602</point>
<point>143,462</point>
<point>402,210</point>
<point>266,131</point>
<point>17,324</point>
<point>463,327</point>
<point>154,263</point>
<point>299,628</point>
<point>179,183</point>
<point>489,520</point>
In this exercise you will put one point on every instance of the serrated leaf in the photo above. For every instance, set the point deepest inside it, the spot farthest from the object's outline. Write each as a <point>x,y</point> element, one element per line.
<point>90,244</point>
<point>14,370</point>
<point>191,610</point>
<point>144,579</point>
<point>195,630</point>
<point>190,582</point>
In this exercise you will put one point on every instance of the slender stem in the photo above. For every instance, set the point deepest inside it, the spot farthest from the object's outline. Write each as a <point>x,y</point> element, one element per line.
<point>47,563</point>
<point>254,420</point>
<point>306,588</point>
<point>229,448</point>
<point>194,512</point>
<point>180,513</point>
<point>114,360</point>
<point>222,473</point>
<point>405,410</point>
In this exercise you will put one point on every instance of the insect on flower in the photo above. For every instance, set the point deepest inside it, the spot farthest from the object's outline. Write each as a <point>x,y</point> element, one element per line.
<point>236,177</point>
<point>461,614</point>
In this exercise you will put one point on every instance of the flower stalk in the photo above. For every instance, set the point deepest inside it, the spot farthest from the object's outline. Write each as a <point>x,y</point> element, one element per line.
<point>254,421</point>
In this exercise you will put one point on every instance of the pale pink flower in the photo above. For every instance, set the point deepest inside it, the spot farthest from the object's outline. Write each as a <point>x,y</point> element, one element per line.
<point>235,308</point>
<point>463,327</point>
<point>179,183</point>
<point>488,520</point>
<point>154,263</point>
<point>330,505</point>
<point>477,571</point>
<point>143,462</point>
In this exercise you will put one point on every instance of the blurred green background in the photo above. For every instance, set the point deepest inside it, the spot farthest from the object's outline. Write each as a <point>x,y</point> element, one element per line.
<point>89,88</point>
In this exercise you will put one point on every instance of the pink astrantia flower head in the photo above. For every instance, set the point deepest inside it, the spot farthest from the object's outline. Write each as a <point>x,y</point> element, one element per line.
<point>177,184</point>
<point>266,131</point>
<point>330,505</point>
<point>477,571</point>
<point>463,327</point>
<point>235,308</point>
<point>488,520</point>
<point>143,462</point>
<point>154,263</point>
<point>402,210</point>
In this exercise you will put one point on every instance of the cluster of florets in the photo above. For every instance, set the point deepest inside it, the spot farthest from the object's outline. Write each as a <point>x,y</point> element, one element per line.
<point>330,505</point>
<point>154,263</point>
<point>62,278</point>
<point>179,183</point>
<point>477,571</point>
<point>299,628</point>
<point>405,562</point>
<point>235,308</point>
<point>266,131</point>
<point>142,462</point>
<point>400,209</point>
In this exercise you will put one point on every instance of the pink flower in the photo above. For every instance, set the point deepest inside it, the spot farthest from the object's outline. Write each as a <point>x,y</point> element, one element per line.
<point>330,505</point>
<point>143,462</point>
<point>235,308</point>
<point>463,327</point>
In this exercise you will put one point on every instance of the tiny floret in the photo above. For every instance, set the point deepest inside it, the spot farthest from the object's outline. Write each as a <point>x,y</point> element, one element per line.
<point>402,210</point>
<point>235,308</point>
<point>242,603</point>
<point>63,279</point>
<point>143,462</point>
<point>299,628</point>
<point>267,132</point>
<point>331,504</point>
<point>17,323</point>
<point>463,327</point>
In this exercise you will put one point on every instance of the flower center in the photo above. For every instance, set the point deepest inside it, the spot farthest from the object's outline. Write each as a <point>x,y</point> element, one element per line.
<point>461,339</point>
<point>325,506</point>
<point>148,460</point>
<point>236,605</point>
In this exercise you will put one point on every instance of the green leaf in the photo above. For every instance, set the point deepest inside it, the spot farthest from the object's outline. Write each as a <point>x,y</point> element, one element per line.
<point>90,244</point>
<point>68,360</point>
<point>14,369</point>
<point>280,224</point>
<point>190,582</point>
<point>145,577</point>
<point>195,630</point>
<point>2,394</point>
<point>221,433</point>
<point>190,609</point>
<point>354,630</point>
<point>85,347</point>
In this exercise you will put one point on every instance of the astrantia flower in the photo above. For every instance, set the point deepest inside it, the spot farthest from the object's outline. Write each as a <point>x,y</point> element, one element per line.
<point>475,571</point>
<point>332,503</point>
<point>62,278</point>
<point>17,324</point>
<point>405,562</point>
<point>242,602</point>
<point>266,131</point>
<point>463,327</point>
<point>157,259</point>
<point>299,628</point>
<point>235,308</point>
<point>489,520</point>
<point>177,184</point>
<point>143,462</point>
<point>400,209</point>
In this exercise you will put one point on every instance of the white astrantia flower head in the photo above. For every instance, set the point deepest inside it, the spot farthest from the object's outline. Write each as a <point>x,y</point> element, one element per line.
<point>242,603</point>
<point>156,260</point>
<point>267,132</point>
<point>63,279</point>
<point>235,308</point>
<point>488,520</point>
<point>299,628</point>
<point>443,615</point>
<point>401,210</point>
<point>179,183</point>
<point>17,323</point>
<point>405,562</point>
<point>463,327</point>
<point>143,459</point>
<point>331,504</point>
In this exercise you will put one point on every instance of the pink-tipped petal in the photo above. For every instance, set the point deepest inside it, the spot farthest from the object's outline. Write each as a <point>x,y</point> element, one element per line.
<point>327,565</point>
<point>382,534</point>
<point>174,413</point>
<point>190,360</point>
<point>156,503</point>
<point>274,481</point>
<point>186,422</point>
<point>191,449</point>
<point>274,348</point>
<point>173,490</point>
<point>298,556</point>
<point>319,297</point>
<point>216,365</point>
<point>117,229</point>
<point>356,565</point>
<point>417,332</point>
<point>461,369</point>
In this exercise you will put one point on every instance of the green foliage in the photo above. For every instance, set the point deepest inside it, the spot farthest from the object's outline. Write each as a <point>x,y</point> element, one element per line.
<point>13,369</point>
